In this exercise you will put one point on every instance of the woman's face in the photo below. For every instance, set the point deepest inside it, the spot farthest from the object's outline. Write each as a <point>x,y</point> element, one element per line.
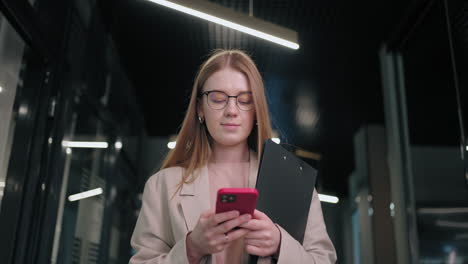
<point>230,125</point>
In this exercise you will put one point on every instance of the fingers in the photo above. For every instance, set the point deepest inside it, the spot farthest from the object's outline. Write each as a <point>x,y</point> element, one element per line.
<point>208,213</point>
<point>255,242</point>
<point>223,217</point>
<point>264,235</point>
<point>236,234</point>
<point>223,240</point>
<point>258,251</point>
<point>254,224</point>
<point>218,244</point>
<point>261,243</point>
<point>260,215</point>
<point>229,225</point>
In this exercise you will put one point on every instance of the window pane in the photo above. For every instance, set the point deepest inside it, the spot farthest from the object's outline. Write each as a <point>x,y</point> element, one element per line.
<point>12,65</point>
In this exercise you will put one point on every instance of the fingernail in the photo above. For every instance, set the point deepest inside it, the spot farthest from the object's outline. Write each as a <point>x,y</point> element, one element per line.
<point>246,217</point>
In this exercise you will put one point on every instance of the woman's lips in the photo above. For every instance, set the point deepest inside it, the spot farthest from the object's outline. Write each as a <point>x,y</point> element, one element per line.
<point>230,126</point>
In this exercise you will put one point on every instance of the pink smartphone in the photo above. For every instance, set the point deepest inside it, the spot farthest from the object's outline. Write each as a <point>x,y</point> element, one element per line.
<point>243,200</point>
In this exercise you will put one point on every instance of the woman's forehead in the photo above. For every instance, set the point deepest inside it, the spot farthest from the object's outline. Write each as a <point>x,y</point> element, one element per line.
<point>227,80</point>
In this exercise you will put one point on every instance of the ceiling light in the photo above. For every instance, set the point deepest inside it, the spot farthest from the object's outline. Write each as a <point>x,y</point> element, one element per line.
<point>118,145</point>
<point>83,195</point>
<point>276,140</point>
<point>2,184</point>
<point>84,144</point>
<point>1,89</point>
<point>451,224</point>
<point>328,198</point>
<point>171,144</point>
<point>235,20</point>
<point>443,211</point>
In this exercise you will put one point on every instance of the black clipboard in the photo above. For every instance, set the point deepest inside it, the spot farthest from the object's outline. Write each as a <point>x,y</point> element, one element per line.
<point>285,184</point>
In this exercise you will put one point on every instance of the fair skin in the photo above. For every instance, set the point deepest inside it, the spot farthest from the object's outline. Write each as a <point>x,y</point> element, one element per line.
<point>230,128</point>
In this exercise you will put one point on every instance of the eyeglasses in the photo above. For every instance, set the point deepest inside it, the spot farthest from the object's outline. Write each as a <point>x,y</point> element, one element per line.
<point>218,100</point>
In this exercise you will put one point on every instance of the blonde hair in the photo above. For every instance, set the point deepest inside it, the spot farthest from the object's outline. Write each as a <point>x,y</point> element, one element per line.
<point>193,148</point>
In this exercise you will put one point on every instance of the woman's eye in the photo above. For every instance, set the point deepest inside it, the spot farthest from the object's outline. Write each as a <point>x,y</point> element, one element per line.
<point>246,99</point>
<point>217,97</point>
<point>218,100</point>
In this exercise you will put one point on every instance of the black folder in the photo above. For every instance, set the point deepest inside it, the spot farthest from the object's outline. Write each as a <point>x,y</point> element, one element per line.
<point>285,185</point>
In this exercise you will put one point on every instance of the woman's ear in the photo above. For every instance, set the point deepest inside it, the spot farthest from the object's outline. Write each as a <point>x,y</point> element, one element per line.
<point>200,113</point>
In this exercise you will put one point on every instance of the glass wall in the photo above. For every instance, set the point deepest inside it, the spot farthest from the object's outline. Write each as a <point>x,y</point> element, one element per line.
<point>438,178</point>
<point>100,145</point>
<point>423,86</point>
<point>79,221</point>
<point>12,64</point>
<point>66,201</point>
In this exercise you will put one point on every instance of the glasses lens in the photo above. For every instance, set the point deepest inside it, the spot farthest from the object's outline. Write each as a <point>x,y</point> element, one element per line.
<point>245,101</point>
<point>217,100</point>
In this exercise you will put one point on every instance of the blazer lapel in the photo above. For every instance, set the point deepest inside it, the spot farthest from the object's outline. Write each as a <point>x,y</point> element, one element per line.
<point>195,198</point>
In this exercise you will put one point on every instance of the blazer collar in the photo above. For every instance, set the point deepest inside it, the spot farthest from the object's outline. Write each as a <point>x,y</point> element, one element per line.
<point>195,197</point>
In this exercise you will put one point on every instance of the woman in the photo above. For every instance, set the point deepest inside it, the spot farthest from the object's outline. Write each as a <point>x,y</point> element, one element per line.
<point>218,146</point>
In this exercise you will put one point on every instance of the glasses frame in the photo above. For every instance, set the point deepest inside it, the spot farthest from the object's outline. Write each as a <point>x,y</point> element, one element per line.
<point>227,101</point>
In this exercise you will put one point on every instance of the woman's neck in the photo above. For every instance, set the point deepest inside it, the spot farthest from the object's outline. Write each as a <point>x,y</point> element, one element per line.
<point>230,154</point>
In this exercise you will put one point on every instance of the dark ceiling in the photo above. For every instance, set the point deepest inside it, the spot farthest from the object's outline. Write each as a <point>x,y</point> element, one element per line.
<point>319,95</point>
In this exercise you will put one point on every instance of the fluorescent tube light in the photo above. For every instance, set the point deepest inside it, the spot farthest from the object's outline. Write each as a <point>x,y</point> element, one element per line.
<point>231,19</point>
<point>84,144</point>
<point>2,184</point>
<point>328,198</point>
<point>83,195</point>
<point>443,211</point>
<point>452,224</point>
<point>276,140</point>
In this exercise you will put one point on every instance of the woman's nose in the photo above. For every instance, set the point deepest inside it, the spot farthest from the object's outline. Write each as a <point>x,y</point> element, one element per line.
<point>231,107</point>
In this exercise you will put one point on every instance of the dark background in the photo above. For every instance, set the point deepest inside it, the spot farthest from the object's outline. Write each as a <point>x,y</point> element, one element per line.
<point>319,95</point>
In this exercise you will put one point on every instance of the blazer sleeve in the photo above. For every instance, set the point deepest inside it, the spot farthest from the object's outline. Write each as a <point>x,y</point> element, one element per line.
<point>317,247</point>
<point>152,237</point>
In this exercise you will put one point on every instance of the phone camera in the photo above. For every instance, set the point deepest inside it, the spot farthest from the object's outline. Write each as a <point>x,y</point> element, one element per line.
<point>228,198</point>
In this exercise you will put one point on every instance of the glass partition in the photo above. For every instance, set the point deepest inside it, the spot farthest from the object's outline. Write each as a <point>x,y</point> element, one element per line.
<point>12,65</point>
<point>438,180</point>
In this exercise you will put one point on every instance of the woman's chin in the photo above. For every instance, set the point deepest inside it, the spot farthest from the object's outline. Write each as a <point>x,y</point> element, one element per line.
<point>231,142</point>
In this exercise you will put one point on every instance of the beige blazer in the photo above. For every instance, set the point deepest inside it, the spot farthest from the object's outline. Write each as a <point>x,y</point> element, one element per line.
<point>165,220</point>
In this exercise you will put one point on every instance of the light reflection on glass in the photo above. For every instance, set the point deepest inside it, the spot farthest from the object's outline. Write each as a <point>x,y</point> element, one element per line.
<point>23,109</point>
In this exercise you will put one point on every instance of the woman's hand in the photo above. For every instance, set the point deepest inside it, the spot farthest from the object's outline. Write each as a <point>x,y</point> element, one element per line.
<point>213,233</point>
<point>264,237</point>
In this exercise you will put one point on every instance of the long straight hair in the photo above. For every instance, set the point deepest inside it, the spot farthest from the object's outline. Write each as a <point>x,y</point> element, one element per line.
<point>193,148</point>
